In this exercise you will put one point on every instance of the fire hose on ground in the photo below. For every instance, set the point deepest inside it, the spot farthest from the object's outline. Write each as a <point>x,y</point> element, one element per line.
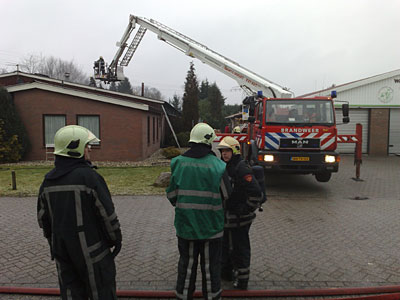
<point>369,293</point>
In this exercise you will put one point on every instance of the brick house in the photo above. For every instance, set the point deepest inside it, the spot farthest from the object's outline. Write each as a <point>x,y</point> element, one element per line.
<point>130,127</point>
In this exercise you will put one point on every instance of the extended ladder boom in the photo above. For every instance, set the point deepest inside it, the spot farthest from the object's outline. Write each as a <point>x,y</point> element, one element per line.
<point>248,80</point>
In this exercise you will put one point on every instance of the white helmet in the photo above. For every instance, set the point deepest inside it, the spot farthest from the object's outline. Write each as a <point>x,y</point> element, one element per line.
<point>236,129</point>
<point>229,142</point>
<point>71,141</point>
<point>202,133</point>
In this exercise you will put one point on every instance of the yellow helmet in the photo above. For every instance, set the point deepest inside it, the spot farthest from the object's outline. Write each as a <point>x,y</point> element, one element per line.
<point>71,141</point>
<point>229,142</point>
<point>202,133</point>
<point>236,129</point>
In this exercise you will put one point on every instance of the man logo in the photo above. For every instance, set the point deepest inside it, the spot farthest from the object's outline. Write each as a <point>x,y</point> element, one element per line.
<point>300,143</point>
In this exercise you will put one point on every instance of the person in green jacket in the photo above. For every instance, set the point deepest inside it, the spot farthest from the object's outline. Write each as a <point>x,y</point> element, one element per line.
<point>194,191</point>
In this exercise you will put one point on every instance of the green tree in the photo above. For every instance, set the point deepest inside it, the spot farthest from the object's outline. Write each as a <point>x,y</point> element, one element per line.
<point>14,142</point>
<point>125,86</point>
<point>204,86</point>
<point>9,148</point>
<point>176,102</point>
<point>231,109</point>
<point>217,102</point>
<point>190,100</point>
<point>210,108</point>
<point>205,111</point>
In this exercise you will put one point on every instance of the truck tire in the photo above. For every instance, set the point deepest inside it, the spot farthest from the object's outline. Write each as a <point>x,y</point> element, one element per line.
<point>323,176</point>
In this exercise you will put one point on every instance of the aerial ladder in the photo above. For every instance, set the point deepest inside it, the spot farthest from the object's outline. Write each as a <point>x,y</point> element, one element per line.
<point>247,80</point>
<point>262,92</point>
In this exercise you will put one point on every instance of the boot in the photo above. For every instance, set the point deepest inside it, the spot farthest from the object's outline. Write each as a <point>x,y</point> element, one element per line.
<point>240,284</point>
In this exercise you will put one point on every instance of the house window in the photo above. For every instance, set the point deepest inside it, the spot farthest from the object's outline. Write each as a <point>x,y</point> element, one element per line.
<point>91,122</point>
<point>148,130</point>
<point>154,130</point>
<point>51,124</point>
<point>158,125</point>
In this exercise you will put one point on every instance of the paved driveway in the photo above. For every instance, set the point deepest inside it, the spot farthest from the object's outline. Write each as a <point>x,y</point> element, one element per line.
<point>342,233</point>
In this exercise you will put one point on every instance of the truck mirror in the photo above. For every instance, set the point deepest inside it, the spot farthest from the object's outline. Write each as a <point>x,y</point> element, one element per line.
<point>251,119</point>
<point>345,109</point>
<point>346,120</point>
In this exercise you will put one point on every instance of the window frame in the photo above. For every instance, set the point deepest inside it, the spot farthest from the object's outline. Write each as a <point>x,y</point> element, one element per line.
<point>44,127</point>
<point>99,134</point>
<point>148,130</point>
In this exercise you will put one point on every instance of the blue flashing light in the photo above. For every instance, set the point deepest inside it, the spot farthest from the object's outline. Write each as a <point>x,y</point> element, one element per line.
<point>259,94</point>
<point>333,94</point>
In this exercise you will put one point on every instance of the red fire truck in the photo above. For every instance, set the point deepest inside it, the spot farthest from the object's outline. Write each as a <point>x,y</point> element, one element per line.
<point>283,133</point>
<point>293,135</point>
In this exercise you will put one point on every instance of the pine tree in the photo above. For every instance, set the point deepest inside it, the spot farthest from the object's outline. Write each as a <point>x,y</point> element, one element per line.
<point>14,142</point>
<point>211,108</point>
<point>217,102</point>
<point>175,102</point>
<point>204,89</point>
<point>190,100</point>
<point>125,86</point>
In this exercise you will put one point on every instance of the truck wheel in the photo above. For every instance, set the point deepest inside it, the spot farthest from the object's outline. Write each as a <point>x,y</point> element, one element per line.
<point>323,177</point>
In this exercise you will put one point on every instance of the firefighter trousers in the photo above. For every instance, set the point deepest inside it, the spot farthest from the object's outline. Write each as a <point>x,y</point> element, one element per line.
<point>210,262</point>
<point>84,272</point>
<point>236,253</point>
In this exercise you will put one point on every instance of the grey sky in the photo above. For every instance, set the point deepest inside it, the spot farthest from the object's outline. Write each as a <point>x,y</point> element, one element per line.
<point>303,45</point>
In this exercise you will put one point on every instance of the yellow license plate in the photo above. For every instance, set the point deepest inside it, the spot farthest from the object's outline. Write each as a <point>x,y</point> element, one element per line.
<point>299,158</point>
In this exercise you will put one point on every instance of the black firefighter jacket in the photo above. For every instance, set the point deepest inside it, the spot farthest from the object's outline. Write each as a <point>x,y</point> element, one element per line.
<point>246,195</point>
<point>75,210</point>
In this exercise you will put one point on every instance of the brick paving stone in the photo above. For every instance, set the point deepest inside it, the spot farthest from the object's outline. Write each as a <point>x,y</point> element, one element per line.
<point>310,235</point>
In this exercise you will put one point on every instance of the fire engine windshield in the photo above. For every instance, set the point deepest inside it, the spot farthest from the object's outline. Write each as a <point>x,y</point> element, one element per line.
<point>300,112</point>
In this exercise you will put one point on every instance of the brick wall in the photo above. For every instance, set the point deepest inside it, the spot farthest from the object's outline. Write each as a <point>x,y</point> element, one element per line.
<point>378,131</point>
<point>121,128</point>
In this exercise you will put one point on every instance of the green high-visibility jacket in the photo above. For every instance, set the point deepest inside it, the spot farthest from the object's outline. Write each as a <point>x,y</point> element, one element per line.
<point>194,191</point>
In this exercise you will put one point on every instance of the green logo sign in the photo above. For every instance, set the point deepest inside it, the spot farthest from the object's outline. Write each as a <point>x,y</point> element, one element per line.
<point>385,94</point>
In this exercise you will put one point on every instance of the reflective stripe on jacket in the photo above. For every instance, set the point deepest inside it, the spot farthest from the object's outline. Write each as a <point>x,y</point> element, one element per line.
<point>194,190</point>
<point>78,201</point>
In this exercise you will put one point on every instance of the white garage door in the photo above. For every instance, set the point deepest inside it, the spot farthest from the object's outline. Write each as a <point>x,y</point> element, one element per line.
<point>356,116</point>
<point>394,131</point>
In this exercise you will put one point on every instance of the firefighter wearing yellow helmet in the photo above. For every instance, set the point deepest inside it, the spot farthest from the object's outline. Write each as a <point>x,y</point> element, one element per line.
<point>77,215</point>
<point>194,191</point>
<point>245,197</point>
<point>71,141</point>
<point>231,143</point>
<point>202,133</point>
<point>236,129</point>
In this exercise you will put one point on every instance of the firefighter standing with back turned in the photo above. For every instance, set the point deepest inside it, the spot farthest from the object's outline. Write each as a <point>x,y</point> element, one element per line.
<point>245,198</point>
<point>77,216</point>
<point>194,190</point>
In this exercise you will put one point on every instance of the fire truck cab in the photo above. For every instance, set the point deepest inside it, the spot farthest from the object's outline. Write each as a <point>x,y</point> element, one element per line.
<point>294,135</point>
